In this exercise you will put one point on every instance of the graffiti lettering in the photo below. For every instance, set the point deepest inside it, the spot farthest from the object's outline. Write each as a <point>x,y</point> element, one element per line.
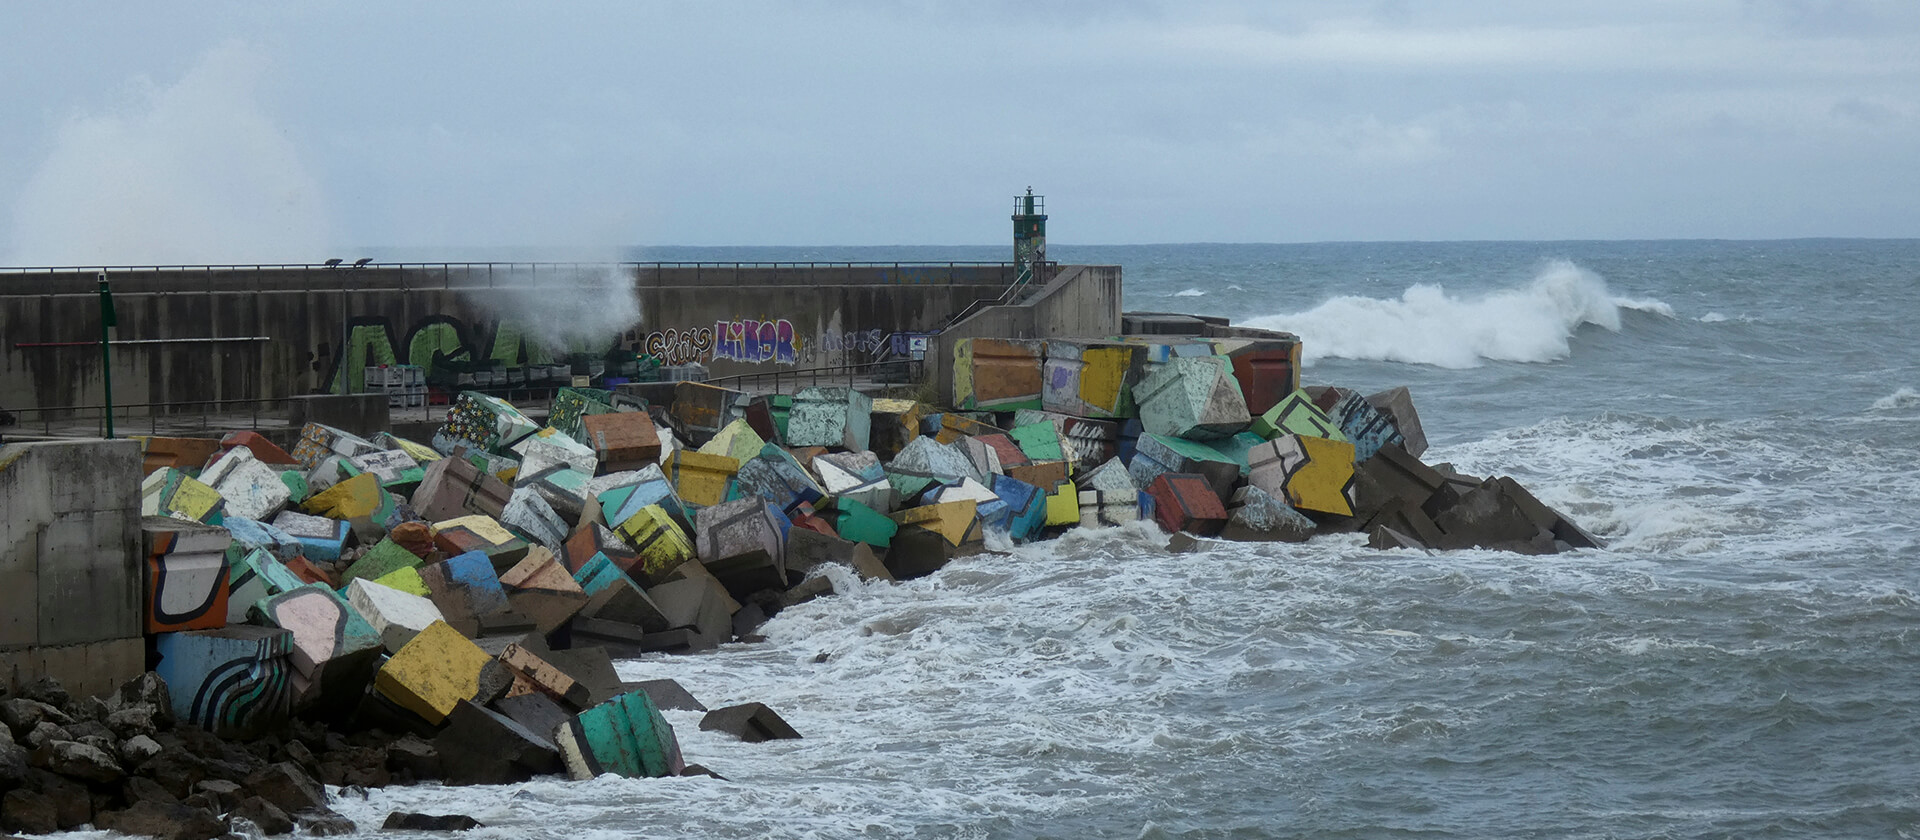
<point>863,341</point>
<point>674,347</point>
<point>755,341</point>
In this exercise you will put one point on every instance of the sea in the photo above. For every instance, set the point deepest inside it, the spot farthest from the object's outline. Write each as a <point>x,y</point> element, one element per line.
<point>1738,420</point>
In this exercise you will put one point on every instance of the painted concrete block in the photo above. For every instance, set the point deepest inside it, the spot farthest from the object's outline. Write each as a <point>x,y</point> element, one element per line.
<point>563,488</point>
<point>1063,505</point>
<point>998,373</point>
<point>595,539</point>
<point>170,492</point>
<point>737,440</point>
<point>297,488</point>
<point>251,489</point>
<point>397,616</point>
<point>263,450</point>
<point>1092,378</point>
<point>1295,414</point>
<point>395,470</point>
<point>359,497</point>
<point>1040,473</point>
<point>571,406</point>
<point>436,670</point>
<point>319,442</point>
<point>1040,441</point>
<point>696,601</point>
<point>532,669</point>
<point>1309,472</point>
<point>1158,454</point>
<point>625,736</point>
<point>649,486</point>
<point>1195,398</point>
<point>881,495</point>
<point>894,423</point>
<point>1186,502</point>
<point>927,457</point>
<point>540,588</point>
<point>778,477</point>
<point>383,558</point>
<point>1026,507</point>
<point>1256,516</point>
<point>1397,404</point>
<point>1005,451</point>
<point>331,642</point>
<point>744,535</point>
<point>841,471</point>
<point>1363,425</point>
<point>235,682</point>
<point>598,573</point>
<point>917,552</point>
<point>700,411</point>
<point>421,453</point>
<point>529,514</point>
<point>984,458</point>
<point>954,521</point>
<point>550,446</point>
<point>186,574</point>
<point>406,579</point>
<point>699,479</point>
<point>858,522</point>
<point>954,426</point>
<point>249,535</point>
<point>486,423</point>
<point>1108,496</point>
<point>480,533</point>
<point>832,417</point>
<point>320,538</point>
<point>657,542</point>
<point>621,601</point>
<point>1268,369</point>
<point>1236,448</point>
<point>188,455</point>
<point>259,571</point>
<point>465,588</point>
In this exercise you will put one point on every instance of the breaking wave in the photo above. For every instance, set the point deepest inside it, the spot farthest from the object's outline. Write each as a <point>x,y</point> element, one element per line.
<point>1903,398</point>
<point>1428,326</point>
<point>1188,293</point>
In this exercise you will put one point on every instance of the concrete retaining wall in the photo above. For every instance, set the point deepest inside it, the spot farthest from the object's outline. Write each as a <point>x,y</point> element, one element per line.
<point>70,571</point>
<point>278,330</point>
<point>1082,301</point>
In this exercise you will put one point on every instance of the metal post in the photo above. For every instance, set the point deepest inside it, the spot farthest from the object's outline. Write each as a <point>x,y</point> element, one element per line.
<point>107,322</point>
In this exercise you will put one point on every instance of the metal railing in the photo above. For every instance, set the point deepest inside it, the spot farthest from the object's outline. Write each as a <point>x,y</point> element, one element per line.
<point>832,374</point>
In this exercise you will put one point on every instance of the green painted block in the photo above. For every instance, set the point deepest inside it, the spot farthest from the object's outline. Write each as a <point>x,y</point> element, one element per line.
<point>1237,447</point>
<point>1296,414</point>
<point>781,407</point>
<point>857,522</point>
<point>296,482</point>
<point>1040,440</point>
<point>383,559</point>
<point>625,736</point>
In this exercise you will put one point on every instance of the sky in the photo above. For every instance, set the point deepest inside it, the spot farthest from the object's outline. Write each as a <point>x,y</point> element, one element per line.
<point>224,132</point>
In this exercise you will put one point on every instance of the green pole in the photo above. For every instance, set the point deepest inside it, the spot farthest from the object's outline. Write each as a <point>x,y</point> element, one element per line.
<point>107,322</point>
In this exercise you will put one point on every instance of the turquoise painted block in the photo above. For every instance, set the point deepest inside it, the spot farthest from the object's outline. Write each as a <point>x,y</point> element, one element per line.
<point>1026,507</point>
<point>1237,447</point>
<point>599,572</point>
<point>625,736</point>
<point>235,682</point>
<point>1192,397</point>
<point>1040,441</point>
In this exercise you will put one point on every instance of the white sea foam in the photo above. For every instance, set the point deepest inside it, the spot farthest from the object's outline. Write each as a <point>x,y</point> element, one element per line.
<point>1189,293</point>
<point>1426,325</point>
<point>1901,399</point>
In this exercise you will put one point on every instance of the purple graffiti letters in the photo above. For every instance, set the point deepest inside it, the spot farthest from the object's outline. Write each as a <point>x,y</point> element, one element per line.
<point>755,341</point>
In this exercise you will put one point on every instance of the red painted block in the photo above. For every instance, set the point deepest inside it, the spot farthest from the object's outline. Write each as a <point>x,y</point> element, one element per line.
<point>264,450</point>
<point>1186,502</point>
<point>1011,455</point>
<point>1267,369</point>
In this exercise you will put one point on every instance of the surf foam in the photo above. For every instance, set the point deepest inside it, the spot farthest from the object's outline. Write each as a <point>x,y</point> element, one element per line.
<point>1426,325</point>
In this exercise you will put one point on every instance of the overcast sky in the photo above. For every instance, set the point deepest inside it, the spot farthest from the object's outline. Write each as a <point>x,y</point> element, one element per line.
<point>241,131</point>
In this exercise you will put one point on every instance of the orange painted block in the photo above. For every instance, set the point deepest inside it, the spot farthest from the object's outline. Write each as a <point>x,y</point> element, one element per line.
<point>186,454</point>
<point>186,574</point>
<point>263,450</point>
<point>622,440</point>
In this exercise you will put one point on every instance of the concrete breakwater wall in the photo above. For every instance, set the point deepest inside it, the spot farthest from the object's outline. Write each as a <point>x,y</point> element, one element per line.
<point>242,333</point>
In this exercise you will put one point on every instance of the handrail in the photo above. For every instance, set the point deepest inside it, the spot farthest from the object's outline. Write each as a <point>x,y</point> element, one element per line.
<point>530,264</point>
<point>778,374</point>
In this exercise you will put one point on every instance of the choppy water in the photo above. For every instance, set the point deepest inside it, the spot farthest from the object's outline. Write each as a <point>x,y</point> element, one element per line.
<point>1739,419</point>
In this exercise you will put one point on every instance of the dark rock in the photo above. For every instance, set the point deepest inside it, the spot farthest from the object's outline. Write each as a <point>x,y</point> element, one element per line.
<point>28,813</point>
<point>21,715</point>
<point>700,770</point>
<point>89,708</point>
<point>917,552</point>
<point>220,794</point>
<point>75,760</point>
<point>323,822</point>
<point>164,821</point>
<point>807,590</point>
<point>47,690</point>
<point>264,815</point>
<point>750,722</point>
<point>414,759</point>
<point>819,658</point>
<point>135,751</point>
<point>13,764</point>
<point>287,786</point>
<point>45,733</point>
<point>406,821</point>
<point>537,712</point>
<point>84,728</point>
<point>150,691</point>
<point>588,666</point>
<point>138,789</point>
<point>667,694</point>
<point>748,619</point>
<point>176,770</point>
<point>296,751</point>
<point>72,803</point>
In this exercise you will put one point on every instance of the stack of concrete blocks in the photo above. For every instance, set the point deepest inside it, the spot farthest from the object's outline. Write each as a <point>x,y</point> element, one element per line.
<point>70,568</point>
<point>1092,378</point>
<point>405,386</point>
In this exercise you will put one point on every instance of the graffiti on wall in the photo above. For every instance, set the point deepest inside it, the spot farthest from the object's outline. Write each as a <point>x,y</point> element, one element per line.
<point>676,347</point>
<point>858,341</point>
<point>755,341</point>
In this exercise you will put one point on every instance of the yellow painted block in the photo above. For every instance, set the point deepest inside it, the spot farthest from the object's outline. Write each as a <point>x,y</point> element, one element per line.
<point>1320,484</point>
<point>1063,505</point>
<point>194,499</point>
<point>1104,374</point>
<point>356,498</point>
<point>433,673</point>
<point>737,441</point>
<point>700,478</point>
<point>507,475</point>
<point>948,519</point>
<point>657,540</point>
<point>418,452</point>
<point>406,579</point>
<point>482,526</point>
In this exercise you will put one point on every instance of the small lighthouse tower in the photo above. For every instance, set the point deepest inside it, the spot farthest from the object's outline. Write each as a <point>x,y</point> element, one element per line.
<point>1029,237</point>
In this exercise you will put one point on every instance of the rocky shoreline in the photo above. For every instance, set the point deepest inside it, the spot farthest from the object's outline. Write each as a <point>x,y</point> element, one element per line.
<point>364,609</point>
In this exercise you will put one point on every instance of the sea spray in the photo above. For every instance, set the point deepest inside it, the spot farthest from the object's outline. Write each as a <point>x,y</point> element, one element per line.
<point>196,171</point>
<point>1426,325</point>
<point>565,307</point>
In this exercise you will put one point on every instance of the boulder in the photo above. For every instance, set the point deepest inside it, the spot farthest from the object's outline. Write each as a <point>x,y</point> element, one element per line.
<point>163,821</point>
<point>750,722</point>
<point>408,821</point>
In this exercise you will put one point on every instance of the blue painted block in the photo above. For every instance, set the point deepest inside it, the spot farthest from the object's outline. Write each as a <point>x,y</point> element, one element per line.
<point>1026,507</point>
<point>235,682</point>
<point>320,538</point>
